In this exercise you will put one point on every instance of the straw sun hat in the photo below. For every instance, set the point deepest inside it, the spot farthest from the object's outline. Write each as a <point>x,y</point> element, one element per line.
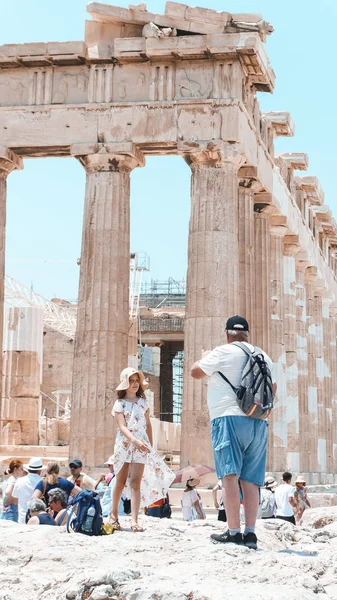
<point>300,479</point>
<point>125,376</point>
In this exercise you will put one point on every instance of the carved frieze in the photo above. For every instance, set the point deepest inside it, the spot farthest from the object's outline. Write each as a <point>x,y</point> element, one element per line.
<point>14,87</point>
<point>131,83</point>
<point>194,80</point>
<point>70,85</point>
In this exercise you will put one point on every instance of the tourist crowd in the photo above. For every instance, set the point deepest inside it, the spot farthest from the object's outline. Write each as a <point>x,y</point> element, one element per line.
<point>240,396</point>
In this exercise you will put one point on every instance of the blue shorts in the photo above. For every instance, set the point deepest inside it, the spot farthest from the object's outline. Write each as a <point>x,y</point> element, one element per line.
<point>240,448</point>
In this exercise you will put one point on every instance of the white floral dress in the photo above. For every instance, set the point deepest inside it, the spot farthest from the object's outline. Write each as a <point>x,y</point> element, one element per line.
<point>157,477</point>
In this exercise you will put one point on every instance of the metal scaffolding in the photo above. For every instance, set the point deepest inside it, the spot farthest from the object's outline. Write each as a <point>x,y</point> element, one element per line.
<point>63,319</point>
<point>155,294</point>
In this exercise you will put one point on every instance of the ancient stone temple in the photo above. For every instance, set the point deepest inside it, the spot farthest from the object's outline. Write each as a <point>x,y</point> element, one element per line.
<point>261,241</point>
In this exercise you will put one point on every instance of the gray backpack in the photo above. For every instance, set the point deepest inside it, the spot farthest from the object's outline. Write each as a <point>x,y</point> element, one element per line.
<point>255,394</point>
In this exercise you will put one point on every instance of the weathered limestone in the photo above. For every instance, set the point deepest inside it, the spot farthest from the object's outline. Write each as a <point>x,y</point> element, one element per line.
<point>247,278</point>
<point>22,374</point>
<point>9,162</point>
<point>212,280</point>
<point>262,299</point>
<point>101,347</point>
<point>261,240</point>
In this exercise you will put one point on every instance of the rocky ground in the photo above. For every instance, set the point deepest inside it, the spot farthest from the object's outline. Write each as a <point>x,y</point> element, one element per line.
<point>171,560</point>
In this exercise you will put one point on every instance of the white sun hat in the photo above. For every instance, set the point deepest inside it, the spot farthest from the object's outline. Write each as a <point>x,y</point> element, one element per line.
<point>125,376</point>
<point>35,464</point>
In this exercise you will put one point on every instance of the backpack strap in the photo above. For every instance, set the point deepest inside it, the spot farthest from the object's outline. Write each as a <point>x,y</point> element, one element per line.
<point>244,348</point>
<point>247,352</point>
<point>227,381</point>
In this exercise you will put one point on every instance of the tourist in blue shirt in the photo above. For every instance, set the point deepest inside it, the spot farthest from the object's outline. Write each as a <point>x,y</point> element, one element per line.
<point>51,481</point>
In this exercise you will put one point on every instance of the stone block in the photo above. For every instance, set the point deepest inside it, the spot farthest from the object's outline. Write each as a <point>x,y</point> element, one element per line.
<point>128,49</point>
<point>39,49</point>
<point>20,409</point>
<point>63,48</point>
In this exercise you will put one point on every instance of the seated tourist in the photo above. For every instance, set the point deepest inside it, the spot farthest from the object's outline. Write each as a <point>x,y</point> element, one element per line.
<point>38,513</point>
<point>58,505</point>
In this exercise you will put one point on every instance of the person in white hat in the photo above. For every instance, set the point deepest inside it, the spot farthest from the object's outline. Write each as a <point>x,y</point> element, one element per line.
<point>25,486</point>
<point>138,468</point>
<point>300,499</point>
<point>267,508</point>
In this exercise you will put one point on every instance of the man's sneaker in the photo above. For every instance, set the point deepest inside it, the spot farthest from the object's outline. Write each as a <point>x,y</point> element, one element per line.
<point>225,538</point>
<point>250,540</point>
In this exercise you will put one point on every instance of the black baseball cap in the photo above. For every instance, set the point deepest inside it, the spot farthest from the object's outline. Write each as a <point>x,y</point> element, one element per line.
<point>237,324</point>
<point>76,463</point>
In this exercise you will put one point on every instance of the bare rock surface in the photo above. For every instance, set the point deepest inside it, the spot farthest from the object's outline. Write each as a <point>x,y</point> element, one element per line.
<point>170,560</point>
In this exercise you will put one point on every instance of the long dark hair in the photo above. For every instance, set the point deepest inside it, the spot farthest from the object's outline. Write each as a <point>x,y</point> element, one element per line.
<point>140,393</point>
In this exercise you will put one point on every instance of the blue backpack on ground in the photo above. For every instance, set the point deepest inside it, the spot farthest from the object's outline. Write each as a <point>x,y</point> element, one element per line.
<point>88,518</point>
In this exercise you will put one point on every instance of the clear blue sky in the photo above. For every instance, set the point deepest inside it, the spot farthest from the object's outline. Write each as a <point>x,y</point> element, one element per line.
<point>45,200</point>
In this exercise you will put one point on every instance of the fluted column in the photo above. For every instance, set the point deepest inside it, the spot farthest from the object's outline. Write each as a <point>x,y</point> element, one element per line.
<point>333,328</point>
<point>212,284</point>
<point>291,401</point>
<point>278,430</point>
<point>261,271</point>
<point>321,373</point>
<point>328,347</point>
<point>101,345</point>
<point>8,163</point>
<point>247,252</point>
<point>302,363</point>
<point>312,430</point>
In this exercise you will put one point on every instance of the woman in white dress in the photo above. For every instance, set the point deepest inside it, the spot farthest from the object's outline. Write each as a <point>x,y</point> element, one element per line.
<point>138,467</point>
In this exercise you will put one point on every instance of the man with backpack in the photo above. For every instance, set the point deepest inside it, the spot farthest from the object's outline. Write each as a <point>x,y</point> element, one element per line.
<point>240,396</point>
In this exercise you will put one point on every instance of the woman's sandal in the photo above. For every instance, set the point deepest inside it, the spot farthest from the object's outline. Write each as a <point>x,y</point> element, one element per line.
<point>136,528</point>
<point>115,525</point>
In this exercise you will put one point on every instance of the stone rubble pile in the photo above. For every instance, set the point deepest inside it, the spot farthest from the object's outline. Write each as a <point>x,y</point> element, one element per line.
<point>171,560</point>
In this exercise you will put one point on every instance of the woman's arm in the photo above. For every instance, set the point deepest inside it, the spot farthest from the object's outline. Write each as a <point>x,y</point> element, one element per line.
<point>99,480</point>
<point>129,436</point>
<point>36,494</point>
<point>198,509</point>
<point>76,490</point>
<point>8,498</point>
<point>149,427</point>
<point>33,521</point>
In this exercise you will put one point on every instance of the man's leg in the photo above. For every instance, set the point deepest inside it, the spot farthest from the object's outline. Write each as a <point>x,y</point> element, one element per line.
<point>250,493</point>
<point>231,499</point>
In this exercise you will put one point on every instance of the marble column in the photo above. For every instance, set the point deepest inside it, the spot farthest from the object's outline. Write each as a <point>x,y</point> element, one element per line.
<point>101,345</point>
<point>312,391</point>
<point>278,430</point>
<point>291,402</point>
<point>212,285</point>
<point>333,327</point>
<point>302,364</point>
<point>9,162</point>
<point>262,280</point>
<point>329,341</point>
<point>247,252</point>
<point>321,371</point>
